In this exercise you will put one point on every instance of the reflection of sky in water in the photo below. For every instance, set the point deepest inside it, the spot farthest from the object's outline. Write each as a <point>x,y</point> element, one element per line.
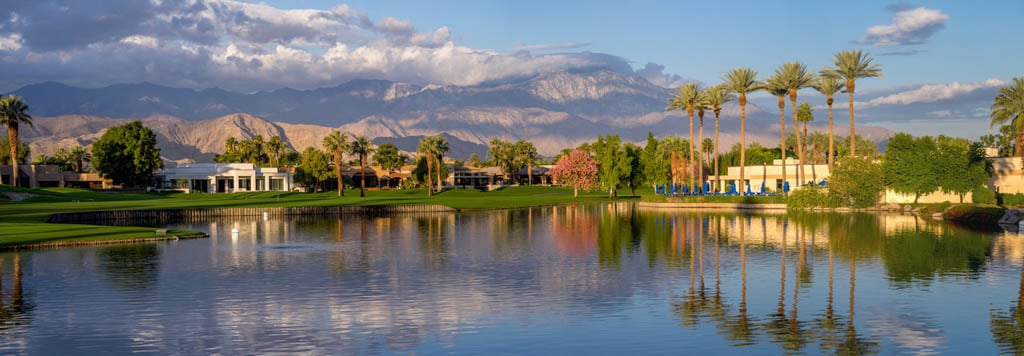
<point>537,281</point>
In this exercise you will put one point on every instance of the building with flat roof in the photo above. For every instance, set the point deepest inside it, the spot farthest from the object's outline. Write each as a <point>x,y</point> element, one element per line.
<point>223,178</point>
<point>771,176</point>
<point>50,176</point>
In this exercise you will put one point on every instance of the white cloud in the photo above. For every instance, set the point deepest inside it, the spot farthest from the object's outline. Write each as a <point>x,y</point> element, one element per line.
<point>930,93</point>
<point>249,46</point>
<point>908,27</point>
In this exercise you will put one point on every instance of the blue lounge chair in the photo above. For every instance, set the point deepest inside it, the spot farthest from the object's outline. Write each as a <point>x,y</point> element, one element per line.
<point>785,187</point>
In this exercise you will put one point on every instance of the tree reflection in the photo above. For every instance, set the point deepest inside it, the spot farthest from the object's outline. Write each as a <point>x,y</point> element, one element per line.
<point>134,267</point>
<point>15,312</point>
<point>741,329</point>
<point>1007,327</point>
<point>433,239</point>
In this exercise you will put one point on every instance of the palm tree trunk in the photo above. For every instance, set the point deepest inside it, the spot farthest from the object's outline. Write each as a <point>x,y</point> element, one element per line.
<point>689,162</point>
<point>831,138</point>
<point>362,176</point>
<point>337,170</point>
<point>718,180</point>
<point>12,138</point>
<point>430,165</point>
<point>529,174</point>
<point>801,176</point>
<point>853,133</point>
<point>440,182</point>
<point>782,136</point>
<point>743,142</point>
<point>700,163</point>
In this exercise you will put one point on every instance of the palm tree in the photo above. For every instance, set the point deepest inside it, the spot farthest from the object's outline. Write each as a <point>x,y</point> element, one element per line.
<point>702,103</point>
<point>804,114</point>
<point>707,146</point>
<point>742,81</point>
<point>13,113</point>
<point>527,155</point>
<point>1007,108</point>
<point>77,157</point>
<point>274,149</point>
<point>797,77</point>
<point>687,98</point>
<point>776,85</point>
<point>719,96</point>
<point>337,143</point>
<point>828,85</point>
<point>426,147</point>
<point>440,148</point>
<point>851,65</point>
<point>362,147</point>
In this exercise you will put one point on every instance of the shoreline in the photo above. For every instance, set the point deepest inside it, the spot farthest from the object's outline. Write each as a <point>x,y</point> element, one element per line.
<point>63,244</point>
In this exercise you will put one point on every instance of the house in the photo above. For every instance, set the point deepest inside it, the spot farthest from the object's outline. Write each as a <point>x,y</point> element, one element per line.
<point>1007,175</point>
<point>49,176</point>
<point>223,178</point>
<point>756,175</point>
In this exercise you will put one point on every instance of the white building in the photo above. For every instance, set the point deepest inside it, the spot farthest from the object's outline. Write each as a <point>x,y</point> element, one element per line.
<point>771,175</point>
<point>223,178</point>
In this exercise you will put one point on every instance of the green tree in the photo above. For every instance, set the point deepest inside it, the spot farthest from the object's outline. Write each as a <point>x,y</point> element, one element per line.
<point>274,149</point>
<point>427,146</point>
<point>337,144</point>
<point>909,165</point>
<point>389,158</point>
<point>742,81</point>
<point>857,181</point>
<point>829,84</point>
<point>687,97</point>
<point>635,173</point>
<point>503,156</point>
<point>314,168</point>
<point>361,147</point>
<point>474,161</point>
<point>850,66</point>
<point>613,163</point>
<point>13,114</point>
<point>961,168</point>
<point>527,156</point>
<point>1008,108</point>
<point>804,114</point>
<point>77,157</point>
<point>5,150</point>
<point>1002,140</point>
<point>127,154</point>
<point>440,149</point>
<point>719,95</point>
<point>653,163</point>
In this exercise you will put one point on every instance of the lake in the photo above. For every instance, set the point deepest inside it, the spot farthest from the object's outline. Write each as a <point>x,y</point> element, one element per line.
<point>585,279</point>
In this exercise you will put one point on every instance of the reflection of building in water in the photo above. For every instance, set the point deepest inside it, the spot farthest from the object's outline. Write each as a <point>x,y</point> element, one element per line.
<point>1009,247</point>
<point>767,230</point>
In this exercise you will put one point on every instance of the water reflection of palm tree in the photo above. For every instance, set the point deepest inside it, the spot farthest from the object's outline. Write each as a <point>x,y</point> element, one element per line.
<point>16,312</point>
<point>741,328</point>
<point>828,326</point>
<point>855,344</point>
<point>1008,327</point>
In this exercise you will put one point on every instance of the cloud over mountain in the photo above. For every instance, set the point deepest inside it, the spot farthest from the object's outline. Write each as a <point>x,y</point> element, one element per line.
<point>246,46</point>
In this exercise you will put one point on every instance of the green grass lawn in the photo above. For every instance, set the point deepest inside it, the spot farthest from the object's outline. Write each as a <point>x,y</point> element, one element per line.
<point>24,221</point>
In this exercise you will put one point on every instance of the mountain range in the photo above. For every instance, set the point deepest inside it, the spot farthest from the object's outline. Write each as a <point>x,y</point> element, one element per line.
<point>553,110</point>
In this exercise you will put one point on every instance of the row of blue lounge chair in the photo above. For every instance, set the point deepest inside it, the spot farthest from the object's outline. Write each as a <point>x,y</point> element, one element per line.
<point>677,190</point>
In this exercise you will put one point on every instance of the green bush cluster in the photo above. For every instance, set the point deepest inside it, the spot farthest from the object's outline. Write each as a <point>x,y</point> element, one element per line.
<point>1012,200</point>
<point>983,195</point>
<point>812,197</point>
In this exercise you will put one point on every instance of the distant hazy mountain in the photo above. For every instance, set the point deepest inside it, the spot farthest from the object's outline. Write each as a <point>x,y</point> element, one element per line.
<point>553,110</point>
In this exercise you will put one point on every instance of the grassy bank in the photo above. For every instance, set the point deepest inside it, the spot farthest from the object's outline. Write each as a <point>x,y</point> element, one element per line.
<point>24,221</point>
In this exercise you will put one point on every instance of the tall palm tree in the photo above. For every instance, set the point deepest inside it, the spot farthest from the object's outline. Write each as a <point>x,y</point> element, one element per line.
<point>427,146</point>
<point>1007,108</point>
<point>687,98</point>
<point>851,65</point>
<point>78,156</point>
<point>13,113</point>
<point>828,85</point>
<point>337,143</point>
<point>804,115</point>
<point>742,81</point>
<point>776,85</point>
<point>797,77</point>
<point>362,147</point>
<point>702,103</point>
<point>719,96</point>
<point>440,148</point>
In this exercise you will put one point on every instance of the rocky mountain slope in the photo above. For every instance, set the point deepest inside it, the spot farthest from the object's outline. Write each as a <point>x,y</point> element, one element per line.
<point>553,110</point>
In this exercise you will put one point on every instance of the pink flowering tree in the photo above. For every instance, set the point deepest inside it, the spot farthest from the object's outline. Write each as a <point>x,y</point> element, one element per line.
<point>577,170</point>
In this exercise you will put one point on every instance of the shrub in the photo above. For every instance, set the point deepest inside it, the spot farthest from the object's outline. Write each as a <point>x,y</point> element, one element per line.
<point>856,182</point>
<point>811,197</point>
<point>983,195</point>
<point>1013,200</point>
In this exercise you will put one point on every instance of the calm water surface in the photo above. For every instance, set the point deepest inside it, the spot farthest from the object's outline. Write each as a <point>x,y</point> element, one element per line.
<point>596,279</point>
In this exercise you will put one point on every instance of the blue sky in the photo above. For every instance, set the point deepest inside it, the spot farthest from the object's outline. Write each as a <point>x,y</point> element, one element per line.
<point>942,59</point>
